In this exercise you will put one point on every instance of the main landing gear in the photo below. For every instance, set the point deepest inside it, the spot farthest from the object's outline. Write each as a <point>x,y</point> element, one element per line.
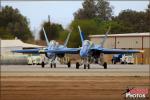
<point>43,64</point>
<point>77,65</point>
<point>65,61</point>
<point>102,61</point>
<point>69,64</point>
<point>105,65</point>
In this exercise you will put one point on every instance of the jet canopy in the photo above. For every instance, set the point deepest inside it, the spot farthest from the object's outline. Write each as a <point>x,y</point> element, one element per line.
<point>86,42</point>
<point>54,43</point>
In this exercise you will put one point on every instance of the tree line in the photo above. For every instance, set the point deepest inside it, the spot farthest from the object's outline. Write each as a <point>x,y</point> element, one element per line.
<point>13,24</point>
<point>94,17</point>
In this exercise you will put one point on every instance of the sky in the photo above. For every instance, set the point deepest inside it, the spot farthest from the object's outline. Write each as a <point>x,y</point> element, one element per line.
<point>62,11</point>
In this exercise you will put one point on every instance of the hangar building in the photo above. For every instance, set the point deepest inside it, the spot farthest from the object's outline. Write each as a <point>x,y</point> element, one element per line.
<point>7,57</point>
<point>127,41</point>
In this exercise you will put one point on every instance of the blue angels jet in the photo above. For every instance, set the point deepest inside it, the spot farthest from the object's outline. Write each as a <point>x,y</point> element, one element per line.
<point>52,51</point>
<point>90,52</point>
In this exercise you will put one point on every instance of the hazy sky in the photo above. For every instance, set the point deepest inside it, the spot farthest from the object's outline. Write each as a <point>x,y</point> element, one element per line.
<point>62,11</point>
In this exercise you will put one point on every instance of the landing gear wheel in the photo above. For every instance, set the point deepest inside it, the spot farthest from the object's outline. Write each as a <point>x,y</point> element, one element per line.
<point>51,65</point>
<point>122,62</point>
<point>88,66</point>
<point>105,65</point>
<point>84,66</point>
<point>43,64</point>
<point>69,64</point>
<point>113,62</point>
<point>77,65</point>
<point>54,65</point>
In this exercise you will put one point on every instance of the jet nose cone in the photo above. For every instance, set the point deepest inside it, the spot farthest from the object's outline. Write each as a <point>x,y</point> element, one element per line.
<point>50,55</point>
<point>83,54</point>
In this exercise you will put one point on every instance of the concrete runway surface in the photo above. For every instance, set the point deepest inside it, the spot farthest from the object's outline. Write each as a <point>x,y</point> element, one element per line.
<point>62,70</point>
<point>24,82</point>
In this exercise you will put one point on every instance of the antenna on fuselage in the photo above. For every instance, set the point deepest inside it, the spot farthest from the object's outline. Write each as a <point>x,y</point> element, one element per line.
<point>47,41</point>
<point>105,37</point>
<point>67,39</point>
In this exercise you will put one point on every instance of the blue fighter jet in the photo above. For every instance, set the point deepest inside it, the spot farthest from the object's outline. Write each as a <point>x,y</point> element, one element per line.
<point>91,52</point>
<point>52,51</point>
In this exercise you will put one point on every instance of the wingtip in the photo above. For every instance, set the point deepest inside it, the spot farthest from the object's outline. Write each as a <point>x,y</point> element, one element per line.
<point>12,51</point>
<point>141,51</point>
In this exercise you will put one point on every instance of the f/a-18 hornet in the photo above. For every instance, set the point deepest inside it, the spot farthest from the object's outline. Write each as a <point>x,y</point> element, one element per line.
<point>53,50</point>
<point>90,52</point>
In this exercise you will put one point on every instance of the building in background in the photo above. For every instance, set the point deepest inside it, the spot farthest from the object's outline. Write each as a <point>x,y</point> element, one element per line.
<point>7,57</point>
<point>127,41</point>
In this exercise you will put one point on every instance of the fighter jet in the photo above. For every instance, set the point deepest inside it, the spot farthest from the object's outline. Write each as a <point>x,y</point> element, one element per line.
<point>91,52</point>
<point>52,51</point>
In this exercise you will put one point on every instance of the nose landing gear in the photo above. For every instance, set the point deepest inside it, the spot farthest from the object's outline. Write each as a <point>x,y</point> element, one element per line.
<point>86,66</point>
<point>52,62</point>
<point>85,62</point>
<point>53,65</point>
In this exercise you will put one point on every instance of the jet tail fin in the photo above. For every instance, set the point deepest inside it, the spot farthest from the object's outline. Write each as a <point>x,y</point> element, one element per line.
<point>67,39</point>
<point>81,34</point>
<point>105,37</point>
<point>47,41</point>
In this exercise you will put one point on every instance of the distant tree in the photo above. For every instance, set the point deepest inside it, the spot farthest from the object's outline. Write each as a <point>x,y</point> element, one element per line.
<point>87,12</point>
<point>5,34</point>
<point>103,11</point>
<point>89,27</point>
<point>135,21</point>
<point>13,24</point>
<point>147,20</point>
<point>148,7</point>
<point>52,30</point>
<point>94,9</point>
<point>63,35</point>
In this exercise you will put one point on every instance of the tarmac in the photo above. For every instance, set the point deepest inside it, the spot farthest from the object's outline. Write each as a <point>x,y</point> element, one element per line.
<point>31,82</point>
<point>63,70</point>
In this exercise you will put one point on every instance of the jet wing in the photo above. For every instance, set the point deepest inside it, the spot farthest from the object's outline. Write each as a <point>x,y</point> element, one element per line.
<point>116,51</point>
<point>120,51</point>
<point>27,51</point>
<point>65,50</point>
